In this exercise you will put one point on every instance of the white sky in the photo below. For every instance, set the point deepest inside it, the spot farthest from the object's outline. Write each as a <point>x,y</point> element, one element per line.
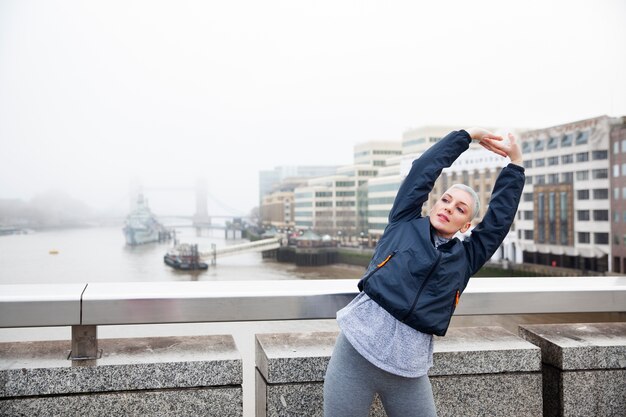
<point>95,93</point>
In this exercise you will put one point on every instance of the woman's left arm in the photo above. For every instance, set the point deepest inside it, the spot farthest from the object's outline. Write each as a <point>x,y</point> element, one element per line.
<point>488,235</point>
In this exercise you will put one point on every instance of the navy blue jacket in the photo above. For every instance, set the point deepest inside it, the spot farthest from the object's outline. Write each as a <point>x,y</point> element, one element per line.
<point>416,283</point>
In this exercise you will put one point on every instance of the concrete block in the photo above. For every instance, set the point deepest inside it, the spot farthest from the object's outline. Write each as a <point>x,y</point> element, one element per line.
<point>584,368</point>
<point>477,372</point>
<point>132,373</point>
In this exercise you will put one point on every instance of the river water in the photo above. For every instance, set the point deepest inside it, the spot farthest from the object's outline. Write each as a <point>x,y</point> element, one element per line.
<point>100,254</point>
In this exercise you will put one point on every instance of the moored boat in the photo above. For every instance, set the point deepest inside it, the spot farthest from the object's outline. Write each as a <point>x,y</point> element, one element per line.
<point>185,257</point>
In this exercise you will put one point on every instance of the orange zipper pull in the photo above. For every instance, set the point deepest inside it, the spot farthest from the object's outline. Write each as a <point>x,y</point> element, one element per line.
<point>458,296</point>
<point>380,265</point>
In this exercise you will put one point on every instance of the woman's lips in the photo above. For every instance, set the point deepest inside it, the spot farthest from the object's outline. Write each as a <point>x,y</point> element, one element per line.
<point>443,217</point>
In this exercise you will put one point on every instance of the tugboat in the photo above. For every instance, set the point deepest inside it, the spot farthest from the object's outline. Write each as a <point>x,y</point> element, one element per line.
<point>185,257</point>
<point>142,226</point>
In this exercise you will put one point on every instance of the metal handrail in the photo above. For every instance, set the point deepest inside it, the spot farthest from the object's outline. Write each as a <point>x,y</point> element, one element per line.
<point>85,306</point>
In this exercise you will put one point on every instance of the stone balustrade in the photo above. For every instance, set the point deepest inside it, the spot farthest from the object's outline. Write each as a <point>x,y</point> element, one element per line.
<point>478,371</point>
<point>584,368</point>
<point>550,370</point>
<point>161,376</point>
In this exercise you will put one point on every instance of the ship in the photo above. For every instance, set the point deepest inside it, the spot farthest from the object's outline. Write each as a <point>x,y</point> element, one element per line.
<point>186,257</point>
<point>142,226</point>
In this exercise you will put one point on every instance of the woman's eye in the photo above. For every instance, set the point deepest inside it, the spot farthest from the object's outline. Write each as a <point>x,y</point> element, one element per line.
<point>460,210</point>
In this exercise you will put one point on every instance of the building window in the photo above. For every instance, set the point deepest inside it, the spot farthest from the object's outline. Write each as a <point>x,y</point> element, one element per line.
<point>540,179</point>
<point>528,235</point>
<point>601,238</point>
<point>563,217</point>
<point>552,143</point>
<point>624,169</point>
<point>529,180</point>
<point>541,162</point>
<point>600,194</point>
<point>528,196</point>
<point>528,214</point>
<point>582,157</point>
<point>582,138</point>
<point>582,175</point>
<point>624,145</point>
<point>615,217</point>
<point>553,160</point>
<point>598,155</point>
<point>601,215</point>
<point>526,147</point>
<point>567,140</point>
<point>567,177</point>
<point>582,195</point>
<point>553,178</point>
<point>539,144</point>
<point>615,193</point>
<point>582,215</point>
<point>323,194</point>
<point>584,237</point>
<point>540,217</point>
<point>616,170</point>
<point>567,159</point>
<point>615,147</point>
<point>616,240</point>
<point>600,174</point>
<point>528,163</point>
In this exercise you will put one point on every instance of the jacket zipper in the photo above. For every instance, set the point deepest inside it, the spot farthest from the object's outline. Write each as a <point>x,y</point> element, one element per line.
<point>419,292</point>
<point>380,265</point>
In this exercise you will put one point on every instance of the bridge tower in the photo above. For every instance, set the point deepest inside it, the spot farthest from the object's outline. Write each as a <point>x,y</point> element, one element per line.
<point>201,217</point>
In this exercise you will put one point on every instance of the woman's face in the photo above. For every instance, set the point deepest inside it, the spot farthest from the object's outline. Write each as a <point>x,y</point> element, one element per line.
<point>452,212</point>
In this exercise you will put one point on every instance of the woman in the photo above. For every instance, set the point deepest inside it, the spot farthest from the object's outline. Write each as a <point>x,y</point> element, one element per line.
<point>414,281</point>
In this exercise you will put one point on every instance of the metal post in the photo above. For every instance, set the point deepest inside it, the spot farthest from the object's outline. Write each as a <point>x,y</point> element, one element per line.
<point>84,343</point>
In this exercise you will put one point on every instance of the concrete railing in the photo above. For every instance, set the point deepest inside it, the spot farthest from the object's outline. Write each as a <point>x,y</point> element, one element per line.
<point>85,306</point>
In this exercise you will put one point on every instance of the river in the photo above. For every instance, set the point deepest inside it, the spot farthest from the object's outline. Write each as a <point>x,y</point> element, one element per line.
<point>100,254</point>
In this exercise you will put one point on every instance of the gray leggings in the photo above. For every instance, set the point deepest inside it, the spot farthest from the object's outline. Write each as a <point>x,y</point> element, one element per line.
<point>351,382</point>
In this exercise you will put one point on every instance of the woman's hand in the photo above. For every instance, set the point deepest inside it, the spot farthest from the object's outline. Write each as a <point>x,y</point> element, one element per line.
<point>496,145</point>
<point>510,148</point>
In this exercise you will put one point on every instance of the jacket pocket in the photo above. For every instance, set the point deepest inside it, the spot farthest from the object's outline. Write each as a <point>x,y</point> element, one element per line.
<point>376,269</point>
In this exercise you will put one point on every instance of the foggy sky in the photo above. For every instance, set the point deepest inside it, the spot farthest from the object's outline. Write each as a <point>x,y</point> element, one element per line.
<point>95,94</point>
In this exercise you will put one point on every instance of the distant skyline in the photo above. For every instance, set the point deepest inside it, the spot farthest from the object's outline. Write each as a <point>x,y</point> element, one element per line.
<point>96,94</point>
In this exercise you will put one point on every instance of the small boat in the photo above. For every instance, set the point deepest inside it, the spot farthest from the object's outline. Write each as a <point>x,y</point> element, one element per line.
<point>185,257</point>
<point>53,252</point>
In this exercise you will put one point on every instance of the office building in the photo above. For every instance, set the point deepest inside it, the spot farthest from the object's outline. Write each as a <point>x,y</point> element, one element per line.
<point>564,219</point>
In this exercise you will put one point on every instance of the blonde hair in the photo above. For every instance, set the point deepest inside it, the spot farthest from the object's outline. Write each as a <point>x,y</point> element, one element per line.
<point>472,193</point>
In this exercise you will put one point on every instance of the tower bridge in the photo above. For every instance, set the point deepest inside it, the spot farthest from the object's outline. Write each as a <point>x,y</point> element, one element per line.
<point>200,218</point>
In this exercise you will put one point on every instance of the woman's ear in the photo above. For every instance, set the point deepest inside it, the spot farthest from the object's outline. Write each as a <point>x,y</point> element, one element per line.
<point>466,227</point>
